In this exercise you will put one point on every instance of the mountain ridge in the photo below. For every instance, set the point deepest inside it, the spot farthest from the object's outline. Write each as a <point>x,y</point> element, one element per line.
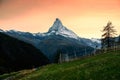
<point>52,41</point>
<point>56,29</point>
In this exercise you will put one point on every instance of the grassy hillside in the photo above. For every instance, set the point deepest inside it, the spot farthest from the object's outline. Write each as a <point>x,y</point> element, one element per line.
<point>100,67</point>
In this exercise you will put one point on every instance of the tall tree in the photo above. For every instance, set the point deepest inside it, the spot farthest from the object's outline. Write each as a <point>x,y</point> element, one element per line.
<point>108,35</point>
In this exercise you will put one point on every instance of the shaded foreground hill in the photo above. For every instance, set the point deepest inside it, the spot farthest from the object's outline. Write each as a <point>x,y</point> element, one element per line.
<point>17,55</point>
<point>104,66</point>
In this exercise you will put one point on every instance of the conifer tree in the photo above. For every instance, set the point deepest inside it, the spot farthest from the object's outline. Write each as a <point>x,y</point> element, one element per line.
<point>108,35</point>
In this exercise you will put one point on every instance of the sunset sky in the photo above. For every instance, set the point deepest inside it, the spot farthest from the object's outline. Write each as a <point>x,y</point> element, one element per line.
<point>85,17</point>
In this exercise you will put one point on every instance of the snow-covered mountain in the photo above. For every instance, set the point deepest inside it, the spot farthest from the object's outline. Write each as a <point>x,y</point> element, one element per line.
<point>59,29</point>
<point>56,29</point>
<point>57,37</point>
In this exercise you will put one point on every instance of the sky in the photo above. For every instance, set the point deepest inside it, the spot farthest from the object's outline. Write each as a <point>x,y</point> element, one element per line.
<point>84,17</point>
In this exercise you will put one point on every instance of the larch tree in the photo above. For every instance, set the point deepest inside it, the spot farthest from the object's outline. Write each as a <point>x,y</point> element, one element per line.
<point>108,36</point>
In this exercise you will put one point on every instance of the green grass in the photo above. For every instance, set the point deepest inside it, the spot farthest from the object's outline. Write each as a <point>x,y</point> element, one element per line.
<point>99,67</point>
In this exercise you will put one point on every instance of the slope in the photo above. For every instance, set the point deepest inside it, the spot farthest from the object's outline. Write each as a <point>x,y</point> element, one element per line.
<point>99,67</point>
<point>51,44</point>
<point>16,55</point>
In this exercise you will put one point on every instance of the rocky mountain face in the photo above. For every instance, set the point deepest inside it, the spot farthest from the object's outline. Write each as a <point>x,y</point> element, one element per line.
<point>59,29</point>
<point>57,38</point>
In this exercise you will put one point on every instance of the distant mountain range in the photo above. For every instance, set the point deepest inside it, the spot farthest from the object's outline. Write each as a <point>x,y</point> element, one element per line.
<point>57,38</point>
<point>17,55</point>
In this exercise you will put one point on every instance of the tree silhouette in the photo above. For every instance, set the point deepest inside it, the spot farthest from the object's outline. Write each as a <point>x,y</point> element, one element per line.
<point>108,33</point>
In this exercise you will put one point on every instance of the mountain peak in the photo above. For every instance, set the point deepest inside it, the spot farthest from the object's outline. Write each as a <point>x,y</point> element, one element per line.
<point>58,29</point>
<point>57,19</point>
<point>57,25</point>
